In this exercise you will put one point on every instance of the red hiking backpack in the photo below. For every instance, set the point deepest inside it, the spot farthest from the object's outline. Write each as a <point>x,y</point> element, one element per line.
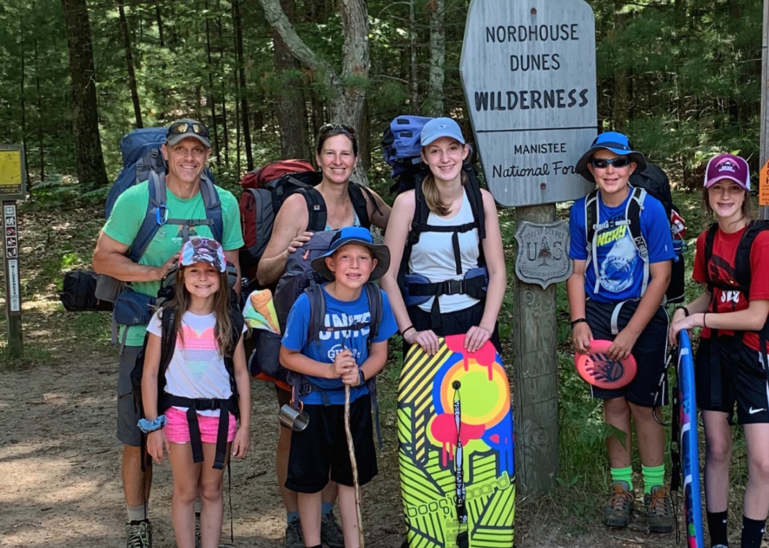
<point>264,192</point>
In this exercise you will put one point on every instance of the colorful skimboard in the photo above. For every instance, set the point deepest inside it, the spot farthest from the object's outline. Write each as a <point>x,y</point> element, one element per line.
<point>688,443</point>
<point>435,394</point>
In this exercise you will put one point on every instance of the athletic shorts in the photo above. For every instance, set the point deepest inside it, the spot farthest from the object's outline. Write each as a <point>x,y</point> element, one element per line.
<point>741,376</point>
<point>128,414</point>
<point>454,323</point>
<point>178,430</point>
<point>319,452</point>
<point>649,387</point>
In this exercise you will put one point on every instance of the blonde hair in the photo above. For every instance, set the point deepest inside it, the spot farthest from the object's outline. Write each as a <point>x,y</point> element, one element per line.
<point>222,311</point>
<point>433,195</point>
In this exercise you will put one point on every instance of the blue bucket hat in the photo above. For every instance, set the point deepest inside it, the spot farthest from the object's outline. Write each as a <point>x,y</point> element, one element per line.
<point>359,236</point>
<point>441,127</point>
<point>615,142</point>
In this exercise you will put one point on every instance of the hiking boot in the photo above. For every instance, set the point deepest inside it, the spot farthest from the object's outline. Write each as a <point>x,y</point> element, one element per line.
<point>139,534</point>
<point>616,513</point>
<point>330,532</point>
<point>659,515</point>
<point>294,536</point>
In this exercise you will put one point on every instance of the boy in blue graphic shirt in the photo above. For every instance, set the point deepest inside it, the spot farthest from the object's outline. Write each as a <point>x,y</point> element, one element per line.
<point>338,357</point>
<point>616,293</point>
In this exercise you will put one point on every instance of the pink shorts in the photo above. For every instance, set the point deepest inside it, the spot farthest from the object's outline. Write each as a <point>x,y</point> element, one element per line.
<point>178,431</point>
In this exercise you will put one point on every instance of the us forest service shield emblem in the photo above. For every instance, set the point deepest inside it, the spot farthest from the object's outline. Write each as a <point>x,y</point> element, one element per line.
<point>543,253</point>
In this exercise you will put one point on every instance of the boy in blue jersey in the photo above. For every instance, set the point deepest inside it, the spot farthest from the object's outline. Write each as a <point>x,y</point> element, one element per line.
<point>616,293</point>
<point>342,354</point>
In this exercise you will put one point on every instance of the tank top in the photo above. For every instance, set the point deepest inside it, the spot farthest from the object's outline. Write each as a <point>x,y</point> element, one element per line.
<point>433,257</point>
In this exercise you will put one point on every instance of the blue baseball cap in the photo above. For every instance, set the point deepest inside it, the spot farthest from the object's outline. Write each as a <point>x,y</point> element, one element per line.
<point>359,236</point>
<point>619,144</point>
<point>441,127</point>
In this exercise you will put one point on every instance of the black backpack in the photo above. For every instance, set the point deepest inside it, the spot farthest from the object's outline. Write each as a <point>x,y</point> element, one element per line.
<point>742,258</point>
<point>650,182</point>
<point>168,346</point>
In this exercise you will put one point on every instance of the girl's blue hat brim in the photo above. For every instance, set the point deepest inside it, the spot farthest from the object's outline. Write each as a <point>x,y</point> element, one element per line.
<point>616,143</point>
<point>358,236</point>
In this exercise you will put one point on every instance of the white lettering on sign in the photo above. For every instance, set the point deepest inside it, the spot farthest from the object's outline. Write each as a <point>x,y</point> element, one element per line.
<point>13,285</point>
<point>528,70</point>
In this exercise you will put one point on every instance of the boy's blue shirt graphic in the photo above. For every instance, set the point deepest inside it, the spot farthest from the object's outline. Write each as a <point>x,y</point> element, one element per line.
<point>620,265</point>
<point>330,343</point>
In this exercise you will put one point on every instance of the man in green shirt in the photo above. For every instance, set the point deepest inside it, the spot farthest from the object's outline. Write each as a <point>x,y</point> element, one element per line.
<point>186,150</point>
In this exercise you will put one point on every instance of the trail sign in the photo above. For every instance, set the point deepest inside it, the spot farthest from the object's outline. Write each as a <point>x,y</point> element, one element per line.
<point>528,71</point>
<point>13,186</point>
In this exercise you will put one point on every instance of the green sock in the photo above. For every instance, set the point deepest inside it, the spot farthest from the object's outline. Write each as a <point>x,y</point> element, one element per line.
<point>623,474</point>
<point>653,476</point>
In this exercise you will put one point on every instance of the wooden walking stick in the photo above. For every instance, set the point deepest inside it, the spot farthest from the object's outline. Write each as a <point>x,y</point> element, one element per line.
<point>353,462</point>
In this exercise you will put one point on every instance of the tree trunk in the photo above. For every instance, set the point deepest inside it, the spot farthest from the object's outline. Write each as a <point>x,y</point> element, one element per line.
<point>39,112</point>
<point>210,96</point>
<point>364,140</point>
<point>21,97</point>
<point>437,57</point>
<point>620,111</point>
<point>237,27</point>
<point>348,87</point>
<point>225,136</point>
<point>85,117</point>
<point>293,130</point>
<point>160,24</point>
<point>130,64</point>
<point>414,79</point>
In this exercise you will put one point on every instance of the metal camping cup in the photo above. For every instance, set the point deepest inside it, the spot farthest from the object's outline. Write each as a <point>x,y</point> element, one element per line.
<point>295,419</point>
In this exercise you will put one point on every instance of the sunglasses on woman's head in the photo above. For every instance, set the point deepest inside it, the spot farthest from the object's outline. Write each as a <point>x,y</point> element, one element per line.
<point>603,163</point>
<point>179,128</point>
<point>329,128</point>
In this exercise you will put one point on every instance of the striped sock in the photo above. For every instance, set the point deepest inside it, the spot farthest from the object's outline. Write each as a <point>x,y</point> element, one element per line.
<point>654,476</point>
<point>623,474</point>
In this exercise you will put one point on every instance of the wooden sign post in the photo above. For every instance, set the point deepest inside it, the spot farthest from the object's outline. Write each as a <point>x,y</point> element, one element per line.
<point>763,180</point>
<point>528,71</point>
<point>13,186</point>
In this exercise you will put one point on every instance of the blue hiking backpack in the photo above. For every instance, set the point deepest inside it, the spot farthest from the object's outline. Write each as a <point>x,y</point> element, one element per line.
<point>402,148</point>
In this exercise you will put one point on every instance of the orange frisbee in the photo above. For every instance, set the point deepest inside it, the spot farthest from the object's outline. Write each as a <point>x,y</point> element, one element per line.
<point>598,369</point>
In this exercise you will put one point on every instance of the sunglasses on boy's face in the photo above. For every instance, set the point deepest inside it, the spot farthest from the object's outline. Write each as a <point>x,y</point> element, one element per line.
<point>603,163</point>
<point>180,128</point>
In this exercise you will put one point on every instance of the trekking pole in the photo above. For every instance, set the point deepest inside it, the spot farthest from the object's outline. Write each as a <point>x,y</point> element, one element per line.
<point>353,462</point>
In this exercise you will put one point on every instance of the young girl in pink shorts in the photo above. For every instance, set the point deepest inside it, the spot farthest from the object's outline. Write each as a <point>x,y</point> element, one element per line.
<point>195,349</point>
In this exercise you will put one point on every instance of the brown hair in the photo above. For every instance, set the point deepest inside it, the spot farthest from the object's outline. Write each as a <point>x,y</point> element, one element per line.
<point>433,196</point>
<point>222,310</point>
<point>332,130</point>
<point>747,209</point>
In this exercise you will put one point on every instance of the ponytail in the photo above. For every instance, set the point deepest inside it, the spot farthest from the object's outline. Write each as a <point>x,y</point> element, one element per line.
<point>433,196</point>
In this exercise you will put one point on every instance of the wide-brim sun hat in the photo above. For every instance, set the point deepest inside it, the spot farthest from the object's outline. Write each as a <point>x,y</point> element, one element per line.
<point>186,128</point>
<point>728,166</point>
<point>441,127</point>
<point>199,249</point>
<point>617,143</point>
<point>359,236</point>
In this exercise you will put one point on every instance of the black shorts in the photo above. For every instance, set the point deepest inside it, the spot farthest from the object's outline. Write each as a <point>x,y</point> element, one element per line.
<point>738,377</point>
<point>319,452</point>
<point>454,323</point>
<point>649,387</point>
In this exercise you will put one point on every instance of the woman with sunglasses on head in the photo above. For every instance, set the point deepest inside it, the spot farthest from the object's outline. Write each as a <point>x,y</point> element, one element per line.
<point>449,252</point>
<point>731,262</point>
<point>337,157</point>
<point>615,293</point>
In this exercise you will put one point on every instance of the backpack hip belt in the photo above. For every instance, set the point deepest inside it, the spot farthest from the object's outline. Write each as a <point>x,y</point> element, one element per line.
<point>474,285</point>
<point>225,407</point>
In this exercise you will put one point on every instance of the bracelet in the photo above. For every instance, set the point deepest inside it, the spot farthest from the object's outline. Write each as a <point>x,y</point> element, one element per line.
<point>703,320</point>
<point>150,426</point>
<point>362,377</point>
<point>409,327</point>
<point>686,310</point>
<point>578,320</point>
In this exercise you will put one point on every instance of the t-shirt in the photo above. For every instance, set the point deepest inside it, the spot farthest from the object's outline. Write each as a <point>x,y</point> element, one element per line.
<point>620,265</point>
<point>722,270</point>
<point>196,369</point>
<point>128,215</point>
<point>330,343</point>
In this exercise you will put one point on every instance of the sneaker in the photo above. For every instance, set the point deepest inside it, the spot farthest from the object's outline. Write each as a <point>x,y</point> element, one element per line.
<point>659,515</point>
<point>330,532</point>
<point>294,536</point>
<point>139,534</point>
<point>616,513</point>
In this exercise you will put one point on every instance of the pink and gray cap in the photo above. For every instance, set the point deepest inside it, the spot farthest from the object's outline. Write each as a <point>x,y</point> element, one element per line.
<point>727,166</point>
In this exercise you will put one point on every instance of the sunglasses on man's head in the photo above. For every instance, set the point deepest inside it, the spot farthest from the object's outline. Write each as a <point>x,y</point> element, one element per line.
<point>179,128</point>
<point>602,163</point>
<point>344,128</point>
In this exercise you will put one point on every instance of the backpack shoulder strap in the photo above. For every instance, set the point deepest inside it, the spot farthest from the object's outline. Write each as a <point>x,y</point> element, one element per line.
<point>421,213</point>
<point>168,342</point>
<point>153,217</point>
<point>633,210</point>
<point>375,306</point>
<point>742,261</point>
<point>317,310</point>
<point>316,209</point>
<point>360,204</point>
<point>474,196</point>
<point>213,207</point>
<point>591,224</point>
<point>710,238</point>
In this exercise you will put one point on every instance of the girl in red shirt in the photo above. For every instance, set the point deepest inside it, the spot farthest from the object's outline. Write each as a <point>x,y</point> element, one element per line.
<point>731,361</point>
